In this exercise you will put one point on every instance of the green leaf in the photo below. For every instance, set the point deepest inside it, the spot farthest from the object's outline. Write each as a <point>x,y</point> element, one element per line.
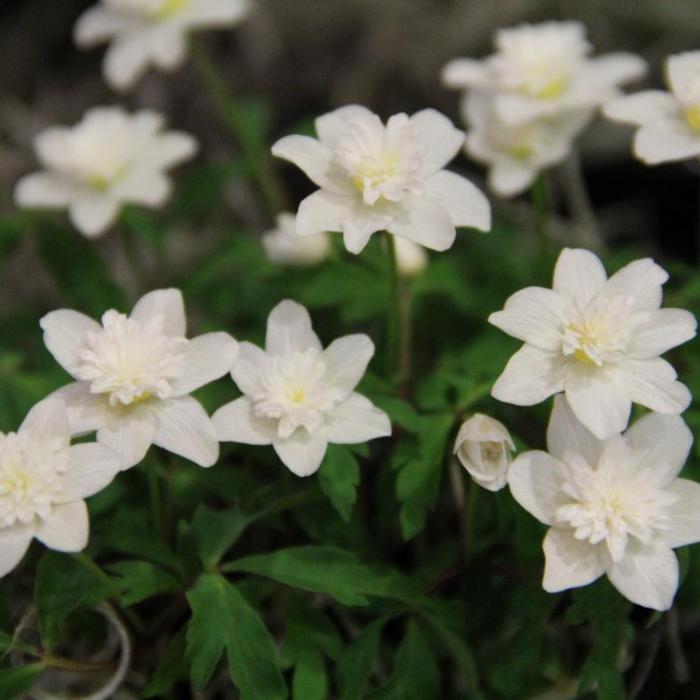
<point>357,662</point>
<point>338,479</point>
<point>14,682</point>
<point>215,532</point>
<point>139,580</point>
<point>310,680</point>
<point>171,669</point>
<point>223,619</point>
<point>62,585</point>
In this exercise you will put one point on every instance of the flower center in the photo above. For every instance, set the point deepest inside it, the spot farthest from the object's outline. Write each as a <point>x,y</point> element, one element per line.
<point>692,116</point>
<point>169,8</point>
<point>131,362</point>
<point>491,451</point>
<point>294,391</point>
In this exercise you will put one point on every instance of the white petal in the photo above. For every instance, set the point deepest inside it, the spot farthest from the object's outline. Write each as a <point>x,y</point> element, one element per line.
<point>43,189</point>
<point>663,143</point>
<point>248,366</point>
<point>167,303</point>
<point>566,433</point>
<point>642,108</point>
<point>617,68</point>
<point>466,204</point>
<point>97,25</point>
<point>92,214</point>
<point>346,361</point>
<point>145,186</point>
<point>332,126</point>
<point>684,525</point>
<point>289,330</point>
<point>599,399</point>
<point>168,47</point>
<point>648,575</point>
<point>185,429</point>
<point>302,453</point>
<point>441,139</point>
<point>665,329</point>
<point>641,280</point>
<point>508,178</point>
<point>314,158</point>
<point>215,13</point>
<point>533,479</point>
<point>14,543</point>
<point>206,358</point>
<point>682,71</point>
<point>463,73</point>
<point>569,563</point>
<point>411,258</point>
<point>130,434</point>
<point>579,275</point>
<point>359,225</point>
<point>127,59</point>
<point>531,376</point>
<point>237,422</point>
<point>356,420</point>
<point>47,422</point>
<point>92,468</point>
<point>67,527</point>
<point>170,149</point>
<point>65,335</point>
<point>425,222</point>
<point>652,383</point>
<point>536,315</point>
<point>323,211</point>
<point>54,145</point>
<point>86,411</point>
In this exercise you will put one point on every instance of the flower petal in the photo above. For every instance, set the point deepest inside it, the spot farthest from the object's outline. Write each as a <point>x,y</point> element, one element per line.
<point>237,422</point>
<point>652,383</point>
<point>579,275</point>
<point>67,527</point>
<point>143,186</point>
<point>569,563</point>
<point>127,59</point>
<point>206,358</point>
<point>466,204</point>
<point>346,361</point>
<point>289,330</point>
<point>65,334</point>
<point>97,25</point>
<point>508,178</point>
<point>358,226</point>
<point>93,466</point>
<point>43,189</point>
<point>463,73</point>
<point>93,213</point>
<point>617,68</point>
<point>566,433</point>
<point>47,421</point>
<point>665,329</point>
<point>425,222</point>
<point>302,453</point>
<point>170,149</point>
<point>666,142</point>
<point>356,420</point>
<point>642,108</point>
<point>684,525</point>
<point>533,479</point>
<point>247,367</point>
<point>129,434</point>
<point>441,139</point>
<point>168,47</point>
<point>167,303</point>
<point>87,412</point>
<point>334,125</point>
<point>14,543</point>
<point>214,13</point>
<point>641,280</point>
<point>531,376</point>
<point>323,211</point>
<point>185,429</point>
<point>648,575</point>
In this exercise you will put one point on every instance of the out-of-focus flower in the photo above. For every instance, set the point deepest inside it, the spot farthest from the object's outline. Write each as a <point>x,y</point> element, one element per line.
<point>44,481</point>
<point>142,33</point>
<point>669,122</point>
<point>376,177</point>
<point>614,507</point>
<point>598,340</point>
<point>110,158</point>
<point>283,246</point>
<point>134,375</point>
<point>543,70</point>
<point>484,447</point>
<point>299,397</point>
<point>411,258</point>
<point>517,153</point>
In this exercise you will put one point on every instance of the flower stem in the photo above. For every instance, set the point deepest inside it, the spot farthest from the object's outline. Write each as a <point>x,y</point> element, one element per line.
<point>540,201</point>
<point>258,160</point>
<point>394,312</point>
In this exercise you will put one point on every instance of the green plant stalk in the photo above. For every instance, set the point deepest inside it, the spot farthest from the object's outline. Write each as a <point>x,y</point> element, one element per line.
<point>540,202</point>
<point>258,163</point>
<point>394,312</point>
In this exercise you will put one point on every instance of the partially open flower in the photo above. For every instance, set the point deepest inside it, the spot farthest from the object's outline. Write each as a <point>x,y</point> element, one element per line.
<point>484,447</point>
<point>283,245</point>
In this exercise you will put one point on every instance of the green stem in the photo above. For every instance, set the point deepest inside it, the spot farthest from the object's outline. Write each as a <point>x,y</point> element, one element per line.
<point>394,314</point>
<point>258,161</point>
<point>540,201</point>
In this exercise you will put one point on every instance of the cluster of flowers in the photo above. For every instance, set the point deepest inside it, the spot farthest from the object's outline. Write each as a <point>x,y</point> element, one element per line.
<point>612,498</point>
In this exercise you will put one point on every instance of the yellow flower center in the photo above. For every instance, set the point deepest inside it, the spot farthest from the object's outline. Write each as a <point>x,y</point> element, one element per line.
<point>521,151</point>
<point>553,88</point>
<point>297,396</point>
<point>692,116</point>
<point>170,7</point>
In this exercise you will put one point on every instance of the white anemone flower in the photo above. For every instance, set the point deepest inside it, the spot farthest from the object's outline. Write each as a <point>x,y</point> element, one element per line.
<point>299,397</point>
<point>542,70</point>
<point>516,153</point>
<point>134,375</point>
<point>614,507</point>
<point>596,339</point>
<point>484,447</point>
<point>669,122</point>
<point>142,33</point>
<point>110,158</point>
<point>376,177</point>
<point>44,481</point>
<point>284,247</point>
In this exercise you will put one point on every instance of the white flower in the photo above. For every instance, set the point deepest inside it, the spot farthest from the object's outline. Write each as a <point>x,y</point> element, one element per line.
<point>543,70</point>
<point>411,258</point>
<point>150,32</point>
<point>614,507</point>
<point>43,481</point>
<point>596,339</point>
<point>299,397</point>
<point>108,159</point>
<point>669,122</point>
<point>483,446</point>
<point>134,375</point>
<point>517,153</point>
<point>283,246</point>
<point>376,177</point>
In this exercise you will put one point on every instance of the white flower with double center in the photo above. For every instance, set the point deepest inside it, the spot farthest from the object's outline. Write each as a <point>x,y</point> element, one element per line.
<point>299,397</point>
<point>614,507</point>
<point>44,481</point>
<point>376,177</point>
<point>596,339</point>
<point>134,375</point>
<point>669,122</point>
<point>150,32</point>
<point>543,70</point>
<point>109,159</point>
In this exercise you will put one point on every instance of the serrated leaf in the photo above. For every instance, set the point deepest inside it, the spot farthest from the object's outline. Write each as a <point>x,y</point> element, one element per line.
<point>171,669</point>
<point>139,580</point>
<point>215,532</point>
<point>338,479</point>
<point>14,682</point>
<point>310,680</point>
<point>357,662</point>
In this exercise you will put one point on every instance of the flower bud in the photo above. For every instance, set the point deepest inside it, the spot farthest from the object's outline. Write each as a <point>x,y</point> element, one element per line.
<point>484,448</point>
<point>283,246</point>
<point>411,258</point>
